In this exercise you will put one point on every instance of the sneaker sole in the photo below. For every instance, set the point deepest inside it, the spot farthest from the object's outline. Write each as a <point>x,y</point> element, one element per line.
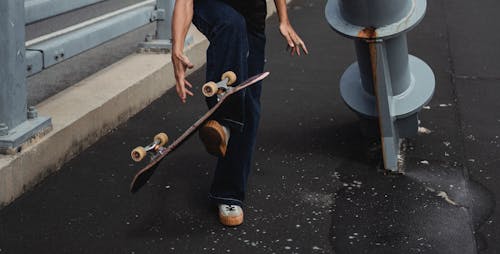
<point>231,221</point>
<point>212,135</point>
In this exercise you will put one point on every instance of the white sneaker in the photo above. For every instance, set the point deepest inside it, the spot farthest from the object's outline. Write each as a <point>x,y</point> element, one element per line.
<point>230,215</point>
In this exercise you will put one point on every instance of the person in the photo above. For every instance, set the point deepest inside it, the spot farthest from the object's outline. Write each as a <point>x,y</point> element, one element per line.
<point>236,32</point>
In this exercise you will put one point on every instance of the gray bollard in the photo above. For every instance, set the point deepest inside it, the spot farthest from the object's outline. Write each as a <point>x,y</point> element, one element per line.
<point>15,127</point>
<point>386,86</point>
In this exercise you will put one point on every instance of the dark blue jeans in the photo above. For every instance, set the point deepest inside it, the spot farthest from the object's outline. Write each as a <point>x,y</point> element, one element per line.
<point>238,47</point>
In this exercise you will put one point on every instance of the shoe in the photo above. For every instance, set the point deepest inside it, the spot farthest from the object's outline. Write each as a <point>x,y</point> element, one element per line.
<point>230,215</point>
<point>215,137</point>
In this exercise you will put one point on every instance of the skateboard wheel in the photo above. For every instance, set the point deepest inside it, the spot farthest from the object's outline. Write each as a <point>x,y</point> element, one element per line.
<point>138,153</point>
<point>231,76</point>
<point>161,138</point>
<point>209,89</point>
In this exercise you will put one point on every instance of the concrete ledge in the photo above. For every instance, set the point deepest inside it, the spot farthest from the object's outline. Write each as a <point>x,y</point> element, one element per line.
<point>88,110</point>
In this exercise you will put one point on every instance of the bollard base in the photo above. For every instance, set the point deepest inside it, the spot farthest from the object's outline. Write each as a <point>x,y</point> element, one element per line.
<point>408,103</point>
<point>155,46</point>
<point>407,127</point>
<point>25,133</point>
<point>160,46</point>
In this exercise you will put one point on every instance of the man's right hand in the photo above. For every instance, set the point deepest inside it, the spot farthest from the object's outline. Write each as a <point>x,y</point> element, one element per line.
<point>181,64</point>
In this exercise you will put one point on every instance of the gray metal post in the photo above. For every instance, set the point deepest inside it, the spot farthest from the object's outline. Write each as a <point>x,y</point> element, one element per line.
<point>162,41</point>
<point>386,86</point>
<point>163,26</point>
<point>17,123</point>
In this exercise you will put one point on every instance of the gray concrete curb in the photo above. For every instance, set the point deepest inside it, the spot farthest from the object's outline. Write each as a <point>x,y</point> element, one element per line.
<point>90,109</point>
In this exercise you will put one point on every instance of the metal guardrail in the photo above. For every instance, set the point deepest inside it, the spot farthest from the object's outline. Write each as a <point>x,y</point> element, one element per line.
<point>19,59</point>
<point>36,10</point>
<point>54,48</point>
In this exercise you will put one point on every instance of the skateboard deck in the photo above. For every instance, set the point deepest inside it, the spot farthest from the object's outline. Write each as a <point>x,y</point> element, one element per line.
<point>158,151</point>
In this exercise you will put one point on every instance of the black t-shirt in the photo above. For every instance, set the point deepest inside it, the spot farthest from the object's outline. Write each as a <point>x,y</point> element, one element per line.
<point>254,11</point>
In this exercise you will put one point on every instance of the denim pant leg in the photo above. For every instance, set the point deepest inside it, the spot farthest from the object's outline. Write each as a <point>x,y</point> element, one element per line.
<point>225,28</point>
<point>230,181</point>
<point>229,50</point>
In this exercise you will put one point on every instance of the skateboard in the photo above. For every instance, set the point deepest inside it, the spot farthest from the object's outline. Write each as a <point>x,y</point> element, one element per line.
<point>157,150</point>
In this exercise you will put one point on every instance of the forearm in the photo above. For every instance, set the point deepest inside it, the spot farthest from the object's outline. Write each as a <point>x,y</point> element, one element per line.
<point>181,20</point>
<point>282,11</point>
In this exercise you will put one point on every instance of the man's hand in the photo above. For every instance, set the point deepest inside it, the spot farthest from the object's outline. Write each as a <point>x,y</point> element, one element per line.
<point>295,43</point>
<point>181,64</point>
<point>181,19</point>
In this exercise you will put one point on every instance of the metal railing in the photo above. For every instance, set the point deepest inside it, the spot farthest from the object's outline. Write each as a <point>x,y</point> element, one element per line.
<point>36,10</point>
<point>20,59</point>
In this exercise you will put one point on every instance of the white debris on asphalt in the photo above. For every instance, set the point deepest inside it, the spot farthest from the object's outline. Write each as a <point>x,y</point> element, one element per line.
<point>445,105</point>
<point>424,130</point>
<point>445,196</point>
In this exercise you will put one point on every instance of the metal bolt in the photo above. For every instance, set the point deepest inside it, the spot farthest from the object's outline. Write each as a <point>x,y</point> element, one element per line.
<point>29,68</point>
<point>4,129</point>
<point>32,112</point>
<point>153,17</point>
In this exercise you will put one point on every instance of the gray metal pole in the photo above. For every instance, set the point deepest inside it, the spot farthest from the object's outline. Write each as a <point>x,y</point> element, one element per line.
<point>386,86</point>
<point>17,123</point>
<point>163,26</point>
<point>398,64</point>
<point>374,13</point>
<point>13,104</point>
<point>162,41</point>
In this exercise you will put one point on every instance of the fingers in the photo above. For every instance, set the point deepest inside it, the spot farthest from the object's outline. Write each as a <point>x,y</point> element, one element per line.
<point>289,41</point>
<point>182,91</point>
<point>304,48</point>
<point>188,92</point>
<point>188,84</point>
<point>298,44</point>
<point>186,62</point>
<point>181,63</point>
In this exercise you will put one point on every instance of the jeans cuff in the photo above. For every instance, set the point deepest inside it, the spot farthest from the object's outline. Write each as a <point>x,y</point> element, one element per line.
<point>225,201</point>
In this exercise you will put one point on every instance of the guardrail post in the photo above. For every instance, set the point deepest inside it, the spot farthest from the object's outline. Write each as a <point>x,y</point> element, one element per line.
<point>18,124</point>
<point>162,41</point>
<point>163,26</point>
<point>386,87</point>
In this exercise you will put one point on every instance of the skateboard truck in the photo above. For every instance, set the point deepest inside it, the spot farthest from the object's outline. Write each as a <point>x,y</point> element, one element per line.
<point>211,88</point>
<point>140,152</point>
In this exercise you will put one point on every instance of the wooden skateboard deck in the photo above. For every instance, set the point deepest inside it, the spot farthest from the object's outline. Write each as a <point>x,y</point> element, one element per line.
<point>160,152</point>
